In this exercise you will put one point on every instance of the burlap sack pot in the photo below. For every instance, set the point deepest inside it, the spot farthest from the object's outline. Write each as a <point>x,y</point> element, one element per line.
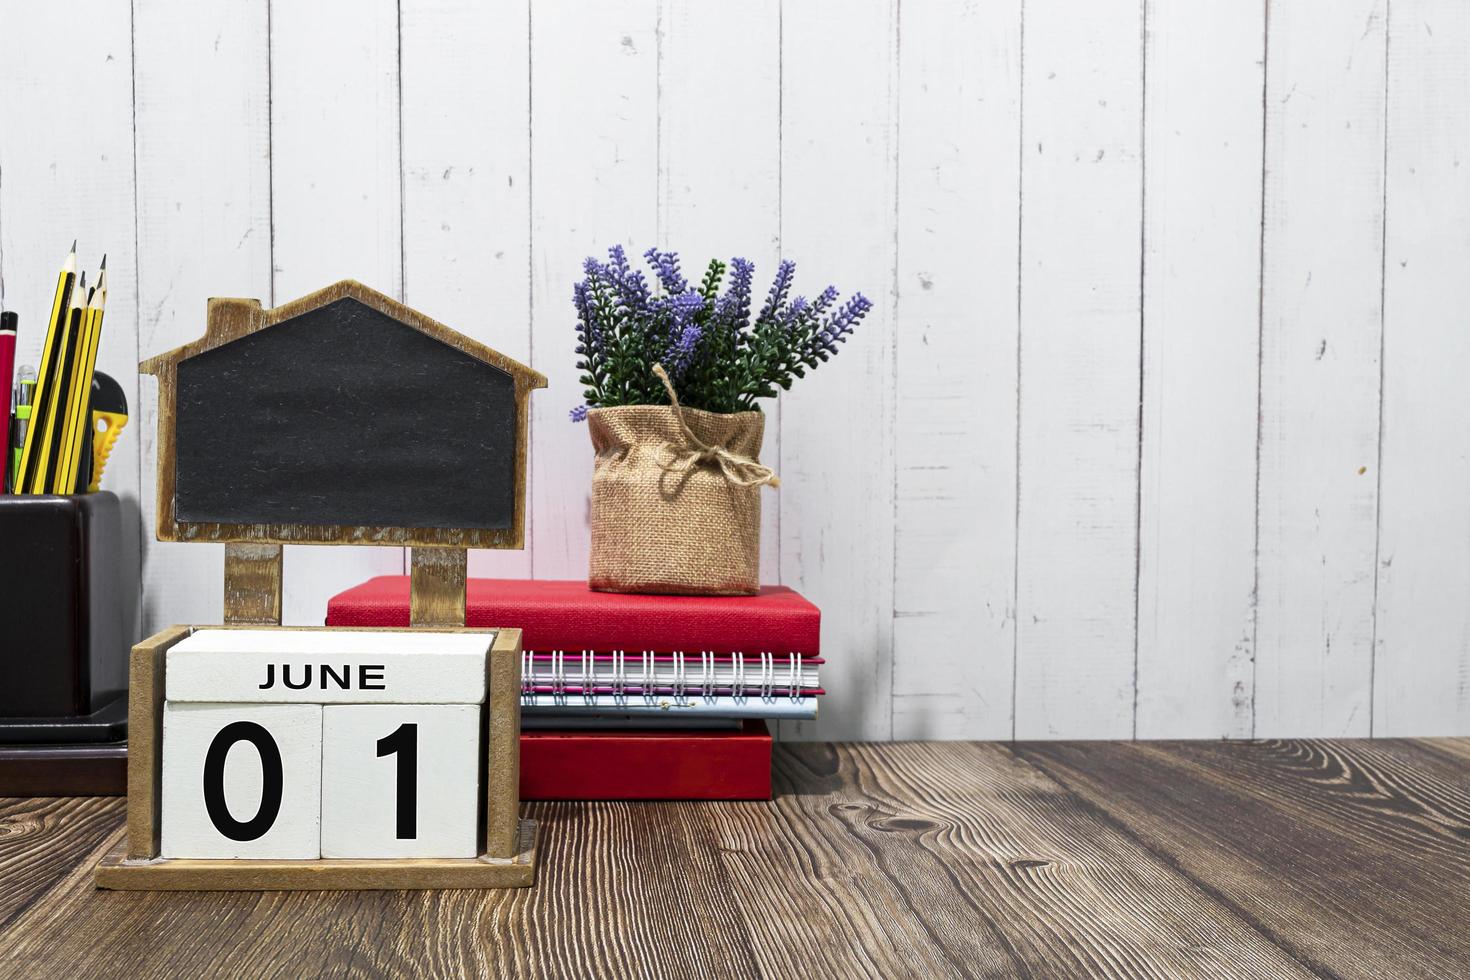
<point>676,505</point>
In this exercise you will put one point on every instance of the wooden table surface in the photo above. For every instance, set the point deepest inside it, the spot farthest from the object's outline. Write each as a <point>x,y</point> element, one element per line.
<point>1039,859</point>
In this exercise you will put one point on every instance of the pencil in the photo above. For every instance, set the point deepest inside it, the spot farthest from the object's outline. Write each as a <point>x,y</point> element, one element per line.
<point>32,451</point>
<point>49,465</point>
<point>79,415</point>
<point>69,415</point>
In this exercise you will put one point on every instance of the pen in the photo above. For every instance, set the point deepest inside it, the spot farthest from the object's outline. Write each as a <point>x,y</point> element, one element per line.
<point>7,371</point>
<point>25,390</point>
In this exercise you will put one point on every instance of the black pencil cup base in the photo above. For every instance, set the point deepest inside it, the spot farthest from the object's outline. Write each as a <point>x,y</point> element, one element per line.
<point>63,654</point>
<point>107,724</point>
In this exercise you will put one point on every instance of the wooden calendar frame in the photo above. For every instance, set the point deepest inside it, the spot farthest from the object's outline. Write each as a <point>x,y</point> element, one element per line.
<point>508,858</point>
<point>252,597</point>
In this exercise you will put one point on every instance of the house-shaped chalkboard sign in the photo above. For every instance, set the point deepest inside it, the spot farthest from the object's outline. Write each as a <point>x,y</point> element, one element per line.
<point>343,417</point>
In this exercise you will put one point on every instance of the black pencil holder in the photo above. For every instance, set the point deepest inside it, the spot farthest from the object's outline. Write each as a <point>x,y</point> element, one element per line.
<point>63,654</point>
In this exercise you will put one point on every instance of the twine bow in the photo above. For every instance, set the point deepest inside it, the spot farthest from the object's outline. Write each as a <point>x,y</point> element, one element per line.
<point>742,471</point>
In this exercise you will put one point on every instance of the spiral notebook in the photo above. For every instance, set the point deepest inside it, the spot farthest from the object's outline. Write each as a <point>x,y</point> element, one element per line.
<point>646,672</point>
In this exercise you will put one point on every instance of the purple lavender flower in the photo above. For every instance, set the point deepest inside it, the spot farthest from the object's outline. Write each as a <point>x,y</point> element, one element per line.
<point>666,266</point>
<point>732,310</point>
<point>828,297</point>
<point>681,352</point>
<point>840,324</point>
<point>618,264</point>
<point>685,306</point>
<point>720,356</point>
<point>684,333</point>
<point>631,286</point>
<point>589,325</point>
<point>798,310</point>
<point>780,287</point>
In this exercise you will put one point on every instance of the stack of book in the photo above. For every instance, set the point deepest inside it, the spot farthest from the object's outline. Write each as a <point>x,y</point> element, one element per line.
<point>637,696</point>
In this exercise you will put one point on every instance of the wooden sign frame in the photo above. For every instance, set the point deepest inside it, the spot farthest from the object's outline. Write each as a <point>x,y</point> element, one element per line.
<point>508,858</point>
<point>231,319</point>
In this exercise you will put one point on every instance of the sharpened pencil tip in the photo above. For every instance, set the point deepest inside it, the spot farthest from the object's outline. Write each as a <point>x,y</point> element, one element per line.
<point>74,246</point>
<point>104,260</point>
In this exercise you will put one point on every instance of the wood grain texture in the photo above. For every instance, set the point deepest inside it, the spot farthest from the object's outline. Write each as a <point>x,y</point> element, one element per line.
<point>1321,320</point>
<point>1330,884</point>
<point>955,508</point>
<point>43,834</point>
<point>145,740</point>
<point>503,745</point>
<point>436,591</point>
<point>117,872</point>
<point>1201,303</point>
<point>839,212</point>
<point>201,90</point>
<point>466,148</point>
<point>1421,678</point>
<point>1081,194</point>
<point>1272,859</point>
<point>253,584</point>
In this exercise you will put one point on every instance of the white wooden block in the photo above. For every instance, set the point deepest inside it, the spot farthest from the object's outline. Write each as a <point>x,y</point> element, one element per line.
<point>332,641</point>
<point>400,780</point>
<point>241,781</point>
<point>328,667</point>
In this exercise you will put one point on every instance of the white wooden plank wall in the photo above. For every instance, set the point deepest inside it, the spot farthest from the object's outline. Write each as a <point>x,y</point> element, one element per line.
<point>1322,328</point>
<point>839,224</point>
<point>1422,670</point>
<point>1201,313</point>
<point>1081,230</point>
<point>954,626</point>
<point>1156,429</point>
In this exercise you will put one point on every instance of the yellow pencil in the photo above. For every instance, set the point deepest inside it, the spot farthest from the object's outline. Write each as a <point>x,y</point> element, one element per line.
<point>48,461</point>
<point>79,414</point>
<point>33,450</point>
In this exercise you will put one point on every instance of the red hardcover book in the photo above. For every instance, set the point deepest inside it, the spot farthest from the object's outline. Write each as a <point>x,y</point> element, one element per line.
<point>569,616</point>
<point>647,765</point>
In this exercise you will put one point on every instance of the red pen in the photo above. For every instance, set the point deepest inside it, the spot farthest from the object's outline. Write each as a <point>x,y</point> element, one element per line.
<point>7,372</point>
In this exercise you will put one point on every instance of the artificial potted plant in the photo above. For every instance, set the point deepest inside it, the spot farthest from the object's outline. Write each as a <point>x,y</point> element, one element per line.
<point>673,374</point>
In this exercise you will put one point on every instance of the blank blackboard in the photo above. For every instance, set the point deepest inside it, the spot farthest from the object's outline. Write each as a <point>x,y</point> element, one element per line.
<point>344,416</point>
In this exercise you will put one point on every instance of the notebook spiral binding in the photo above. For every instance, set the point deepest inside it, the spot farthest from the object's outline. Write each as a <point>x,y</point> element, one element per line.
<point>715,675</point>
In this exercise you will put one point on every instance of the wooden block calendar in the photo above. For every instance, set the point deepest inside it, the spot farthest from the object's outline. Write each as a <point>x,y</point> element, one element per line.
<point>334,763</point>
<point>264,757</point>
